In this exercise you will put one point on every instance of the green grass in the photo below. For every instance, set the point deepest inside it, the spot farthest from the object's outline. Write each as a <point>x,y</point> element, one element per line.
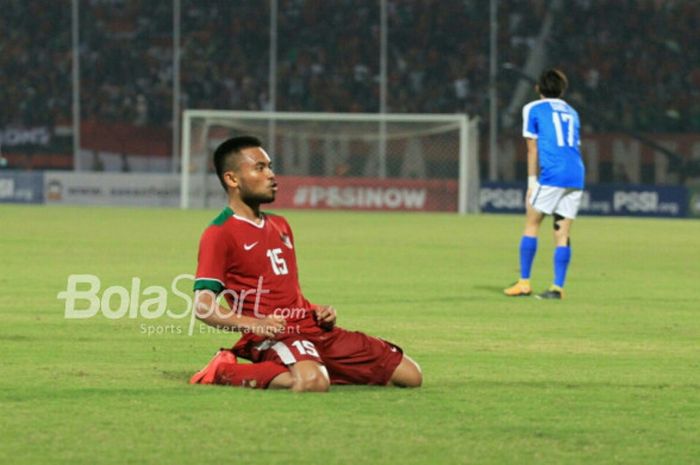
<point>610,375</point>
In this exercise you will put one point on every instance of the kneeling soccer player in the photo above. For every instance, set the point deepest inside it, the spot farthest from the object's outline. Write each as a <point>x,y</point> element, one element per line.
<point>249,256</point>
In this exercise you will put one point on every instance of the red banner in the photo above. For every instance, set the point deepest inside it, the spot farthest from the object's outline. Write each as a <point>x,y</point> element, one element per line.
<point>127,139</point>
<point>366,194</point>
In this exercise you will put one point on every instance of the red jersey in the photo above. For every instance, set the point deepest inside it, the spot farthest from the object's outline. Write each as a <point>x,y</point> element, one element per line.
<point>255,266</point>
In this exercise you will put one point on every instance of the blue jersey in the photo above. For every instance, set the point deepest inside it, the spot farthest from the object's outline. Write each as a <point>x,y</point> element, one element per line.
<point>555,125</point>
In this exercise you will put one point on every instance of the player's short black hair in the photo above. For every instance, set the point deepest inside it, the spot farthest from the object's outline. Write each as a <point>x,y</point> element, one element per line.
<point>223,155</point>
<point>552,83</point>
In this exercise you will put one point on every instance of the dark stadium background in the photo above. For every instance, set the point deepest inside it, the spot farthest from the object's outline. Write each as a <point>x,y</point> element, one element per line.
<point>634,68</point>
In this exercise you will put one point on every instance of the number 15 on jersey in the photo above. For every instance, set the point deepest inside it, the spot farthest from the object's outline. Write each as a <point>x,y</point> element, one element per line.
<point>279,265</point>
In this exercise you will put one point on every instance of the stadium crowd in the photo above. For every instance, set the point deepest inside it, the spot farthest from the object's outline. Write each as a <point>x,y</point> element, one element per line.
<point>35,86</point>
<point>635,61</point>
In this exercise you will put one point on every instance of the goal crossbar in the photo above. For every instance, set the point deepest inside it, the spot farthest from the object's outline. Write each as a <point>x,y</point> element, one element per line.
<point>468,139</point>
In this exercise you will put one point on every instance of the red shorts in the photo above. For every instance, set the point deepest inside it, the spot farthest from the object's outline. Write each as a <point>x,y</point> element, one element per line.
<point>351,357</point>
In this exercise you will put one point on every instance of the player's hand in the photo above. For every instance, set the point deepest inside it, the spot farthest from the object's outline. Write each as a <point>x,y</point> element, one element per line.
<point>325,316</point>
<point>270,326</point>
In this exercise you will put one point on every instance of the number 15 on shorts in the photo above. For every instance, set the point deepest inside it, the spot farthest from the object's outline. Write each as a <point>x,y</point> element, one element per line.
<point>305,348</point>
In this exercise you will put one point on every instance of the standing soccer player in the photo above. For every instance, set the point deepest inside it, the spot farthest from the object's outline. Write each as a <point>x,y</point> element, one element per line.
<point>551,131</point>
<point>249,257</point>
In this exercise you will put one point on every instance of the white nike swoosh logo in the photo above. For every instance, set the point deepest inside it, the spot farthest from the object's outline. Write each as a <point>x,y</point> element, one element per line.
<point>249,246</point>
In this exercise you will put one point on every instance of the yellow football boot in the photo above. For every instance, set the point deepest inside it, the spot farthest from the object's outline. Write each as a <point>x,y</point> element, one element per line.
<point>520,289</point>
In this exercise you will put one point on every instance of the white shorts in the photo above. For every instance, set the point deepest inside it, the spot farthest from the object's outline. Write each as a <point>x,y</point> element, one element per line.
<point>560,200</point>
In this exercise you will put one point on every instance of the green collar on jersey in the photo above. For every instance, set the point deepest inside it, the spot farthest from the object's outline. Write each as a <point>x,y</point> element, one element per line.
<point>227,213</point>
<point>223,216</point>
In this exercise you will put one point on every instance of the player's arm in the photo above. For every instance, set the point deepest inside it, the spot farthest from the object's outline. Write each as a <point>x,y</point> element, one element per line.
<point>531,133</point>
<point>214,254</point>
<point>210,312</point>
<point>532,163</point>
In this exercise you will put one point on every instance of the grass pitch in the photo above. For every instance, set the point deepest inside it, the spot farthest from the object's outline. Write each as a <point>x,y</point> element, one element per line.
<point>610,375</point>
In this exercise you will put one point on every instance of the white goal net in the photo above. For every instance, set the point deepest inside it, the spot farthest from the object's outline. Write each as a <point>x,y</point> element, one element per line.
<point>346,161</point>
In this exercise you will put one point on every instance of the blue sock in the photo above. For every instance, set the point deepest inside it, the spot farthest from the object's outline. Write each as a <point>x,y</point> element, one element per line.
<point>528,249</point>
<point>562,257</point>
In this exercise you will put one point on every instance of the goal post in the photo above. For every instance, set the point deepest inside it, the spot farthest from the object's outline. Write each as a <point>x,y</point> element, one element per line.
<point>343,160</point>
